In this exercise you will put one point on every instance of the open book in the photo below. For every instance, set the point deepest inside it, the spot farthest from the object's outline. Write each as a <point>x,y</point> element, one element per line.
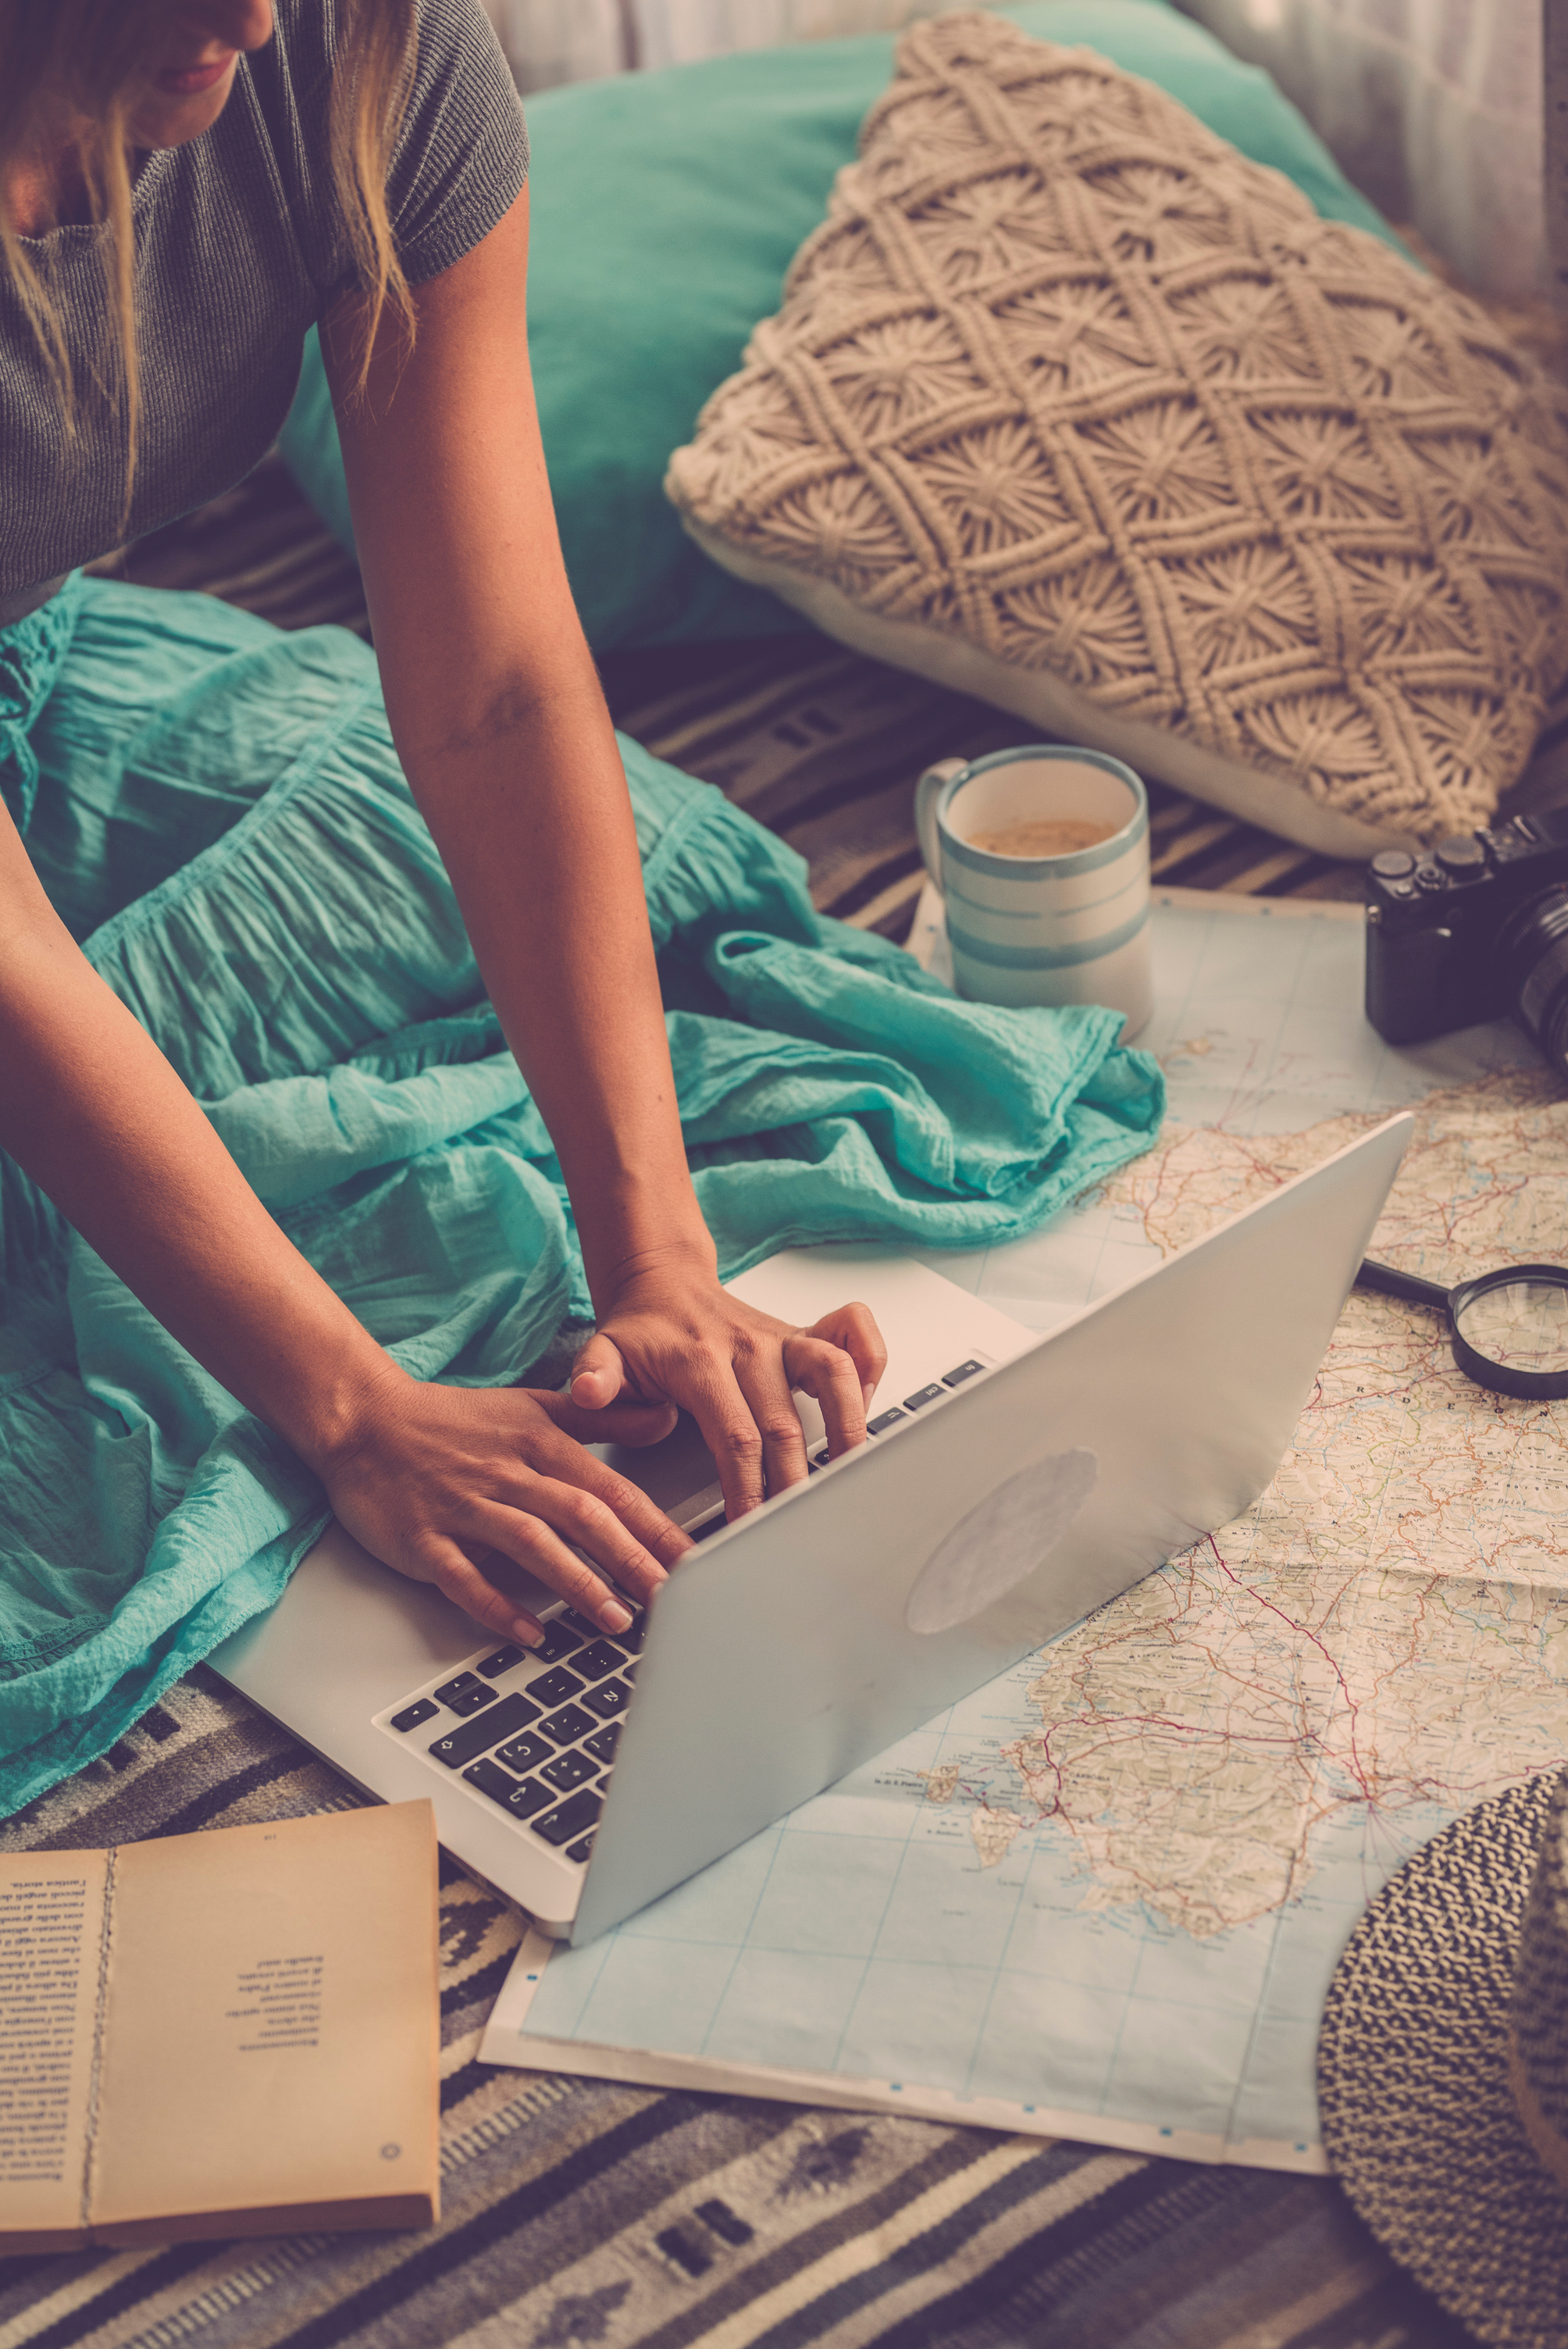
<point>228,2033</point>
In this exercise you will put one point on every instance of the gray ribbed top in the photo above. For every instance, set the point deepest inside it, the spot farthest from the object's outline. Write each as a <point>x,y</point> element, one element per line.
<point>238,249</point>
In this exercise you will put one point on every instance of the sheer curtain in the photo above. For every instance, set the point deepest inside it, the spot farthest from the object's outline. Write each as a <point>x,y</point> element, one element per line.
<point>571,40</point>
<point>674,30</point>
<point>549,41</point>
<point>1433,106</point>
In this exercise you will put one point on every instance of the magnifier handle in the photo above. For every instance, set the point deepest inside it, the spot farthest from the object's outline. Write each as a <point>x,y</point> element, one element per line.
<point>1408,1284</point>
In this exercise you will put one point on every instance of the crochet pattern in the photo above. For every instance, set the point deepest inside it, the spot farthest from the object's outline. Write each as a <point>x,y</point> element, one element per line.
<point>1064,376</point>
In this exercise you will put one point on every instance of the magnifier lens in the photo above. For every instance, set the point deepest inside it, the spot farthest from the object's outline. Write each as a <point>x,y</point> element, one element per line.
<point>1522,1325</point>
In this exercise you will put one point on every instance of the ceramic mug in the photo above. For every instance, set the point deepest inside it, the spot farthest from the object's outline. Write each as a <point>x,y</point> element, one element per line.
<point>1052,929</point>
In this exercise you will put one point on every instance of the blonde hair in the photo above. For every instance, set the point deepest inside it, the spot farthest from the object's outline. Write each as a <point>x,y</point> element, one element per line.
<point>75,61</point>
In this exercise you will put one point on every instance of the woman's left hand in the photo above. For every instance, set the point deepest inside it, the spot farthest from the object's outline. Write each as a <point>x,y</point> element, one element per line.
<point>675,1336</point>
<point>500,724</point>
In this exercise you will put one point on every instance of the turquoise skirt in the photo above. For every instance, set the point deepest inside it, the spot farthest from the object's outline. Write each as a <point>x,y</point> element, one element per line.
<point>216,809</point>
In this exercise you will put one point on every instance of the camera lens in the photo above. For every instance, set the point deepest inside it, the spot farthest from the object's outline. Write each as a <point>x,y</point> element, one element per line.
<point>1533,943</point>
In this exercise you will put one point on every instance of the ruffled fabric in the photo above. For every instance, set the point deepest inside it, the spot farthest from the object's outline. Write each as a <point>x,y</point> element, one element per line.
<point>218,811</point>
<point>31,651</point>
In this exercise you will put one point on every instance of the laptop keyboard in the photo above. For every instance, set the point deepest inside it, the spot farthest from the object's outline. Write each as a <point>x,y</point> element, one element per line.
<point>534,1730</point>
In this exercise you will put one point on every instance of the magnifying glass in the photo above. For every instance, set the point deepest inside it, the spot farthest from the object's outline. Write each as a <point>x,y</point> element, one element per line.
<point>1509,1327</point>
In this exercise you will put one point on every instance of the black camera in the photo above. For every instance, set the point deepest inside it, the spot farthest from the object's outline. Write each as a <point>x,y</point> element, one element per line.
<point>1475,928</point>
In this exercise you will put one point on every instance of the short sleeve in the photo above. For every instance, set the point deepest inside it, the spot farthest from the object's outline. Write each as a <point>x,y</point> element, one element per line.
<point>461,156</point>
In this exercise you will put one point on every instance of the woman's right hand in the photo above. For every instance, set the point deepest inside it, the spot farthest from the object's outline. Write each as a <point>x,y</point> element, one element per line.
<point>444,1483</point>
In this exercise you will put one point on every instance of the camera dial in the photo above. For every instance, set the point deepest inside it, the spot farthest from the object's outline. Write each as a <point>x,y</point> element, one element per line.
<point>1473,929</point>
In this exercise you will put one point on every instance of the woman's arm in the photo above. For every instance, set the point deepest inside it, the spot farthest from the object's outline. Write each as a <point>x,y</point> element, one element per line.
<point>502,730</point>
<point>434,1480</point>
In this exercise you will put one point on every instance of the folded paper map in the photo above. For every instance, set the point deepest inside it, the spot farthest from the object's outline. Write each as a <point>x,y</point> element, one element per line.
<point>1104,1896</point>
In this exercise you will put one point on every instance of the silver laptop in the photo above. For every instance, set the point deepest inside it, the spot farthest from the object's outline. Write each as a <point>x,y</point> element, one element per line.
<point>1011,1483</point>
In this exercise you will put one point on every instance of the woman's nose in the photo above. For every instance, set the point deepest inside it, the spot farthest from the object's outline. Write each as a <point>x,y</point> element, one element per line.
<point>238,24</point>
<point>254,24</point>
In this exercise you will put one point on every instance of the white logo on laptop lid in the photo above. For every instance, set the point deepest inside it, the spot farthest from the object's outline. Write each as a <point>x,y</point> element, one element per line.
<point>1001,1539</point>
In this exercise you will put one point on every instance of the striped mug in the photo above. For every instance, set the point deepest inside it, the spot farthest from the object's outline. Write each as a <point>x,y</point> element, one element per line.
<point>1067,925</point>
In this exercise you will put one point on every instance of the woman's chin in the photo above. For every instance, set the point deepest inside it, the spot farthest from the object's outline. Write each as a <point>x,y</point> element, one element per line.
<point>164,118</point>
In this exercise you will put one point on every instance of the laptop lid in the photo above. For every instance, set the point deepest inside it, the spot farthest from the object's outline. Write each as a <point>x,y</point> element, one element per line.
<point>794,1646</point>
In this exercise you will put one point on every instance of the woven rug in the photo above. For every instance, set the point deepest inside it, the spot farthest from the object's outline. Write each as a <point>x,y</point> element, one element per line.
<point>583,2215</point>
<point>821,744</point>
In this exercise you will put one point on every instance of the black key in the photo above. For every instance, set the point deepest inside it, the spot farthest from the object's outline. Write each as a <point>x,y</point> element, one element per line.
<point>491,1780</point>
<point>501,1662</point>
<point>581,1850</point>
<point>530,1796</point>
<point>964,1371</point>
<point>422,1709</point>
<point>603,1744</point>
<point>504,1720</point>
<point>595,1661</point>
<point>558,1640</point>
<point>523,1753</point>
<point>885,1420</point>
<point>472,1700</point>
<point>610,1698</point>
<point>579,1623</point>
<point>918,1401</point>
<point>554,1688</point>
<point>569,1770</point>
<point>567,1725</point>
<point>465,1694</point>
<point>563,1825</point>
<point>812,1466</point>
<point>631,1639</point>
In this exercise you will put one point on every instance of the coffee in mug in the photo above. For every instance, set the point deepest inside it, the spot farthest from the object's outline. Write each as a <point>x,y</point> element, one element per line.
<point>1043,836</point>
<point>1042,857</point>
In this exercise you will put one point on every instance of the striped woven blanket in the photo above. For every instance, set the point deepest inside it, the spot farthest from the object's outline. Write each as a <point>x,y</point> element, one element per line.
<point>583,2215</point>
<point>820,744</point>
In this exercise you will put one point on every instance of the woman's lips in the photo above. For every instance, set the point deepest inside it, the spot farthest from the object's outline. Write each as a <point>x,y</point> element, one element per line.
<point>189,81</point>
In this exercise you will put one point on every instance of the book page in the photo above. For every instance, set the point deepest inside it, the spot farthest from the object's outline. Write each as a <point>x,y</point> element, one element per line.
<point>272,2026</point>
<point>51,1939</point>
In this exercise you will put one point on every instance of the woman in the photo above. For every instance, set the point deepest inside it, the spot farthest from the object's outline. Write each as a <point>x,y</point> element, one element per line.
<point>186,184</point>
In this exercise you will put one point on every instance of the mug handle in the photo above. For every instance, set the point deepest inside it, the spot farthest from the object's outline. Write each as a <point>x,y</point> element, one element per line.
<point>926,792</point>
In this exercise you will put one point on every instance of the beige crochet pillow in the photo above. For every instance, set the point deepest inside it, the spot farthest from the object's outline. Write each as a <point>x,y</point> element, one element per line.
<point>1071,406</point>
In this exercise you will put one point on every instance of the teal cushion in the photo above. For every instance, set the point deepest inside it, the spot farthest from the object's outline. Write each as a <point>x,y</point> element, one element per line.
<point>666,208</point>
